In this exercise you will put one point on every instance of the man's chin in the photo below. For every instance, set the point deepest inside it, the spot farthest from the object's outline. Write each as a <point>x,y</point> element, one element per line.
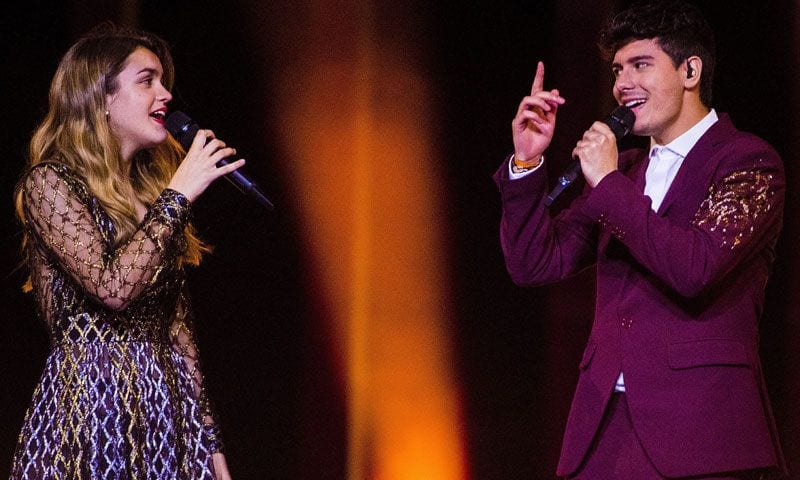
<point>640,130</point>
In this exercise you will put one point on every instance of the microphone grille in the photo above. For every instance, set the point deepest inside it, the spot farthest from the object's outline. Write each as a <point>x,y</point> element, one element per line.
<point>621,121</point>
<point>183,128</point>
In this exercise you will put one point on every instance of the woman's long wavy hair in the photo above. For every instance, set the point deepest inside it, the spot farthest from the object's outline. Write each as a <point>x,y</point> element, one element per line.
<point>76,132</point>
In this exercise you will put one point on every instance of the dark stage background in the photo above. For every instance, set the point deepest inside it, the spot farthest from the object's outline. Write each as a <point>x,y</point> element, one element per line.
<point>261,331</point>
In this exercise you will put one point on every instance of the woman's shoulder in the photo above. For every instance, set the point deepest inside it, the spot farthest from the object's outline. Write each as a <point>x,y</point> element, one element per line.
<point>52,167</point>
<point>56,175</point>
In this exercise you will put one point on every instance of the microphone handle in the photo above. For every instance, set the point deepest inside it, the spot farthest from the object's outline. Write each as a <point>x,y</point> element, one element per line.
<point>620,121</point>
<point>246,185</point>
<point>564,181</point>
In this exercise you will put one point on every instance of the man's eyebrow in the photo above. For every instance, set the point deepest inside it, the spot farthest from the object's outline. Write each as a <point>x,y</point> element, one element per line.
<point>635,59</point>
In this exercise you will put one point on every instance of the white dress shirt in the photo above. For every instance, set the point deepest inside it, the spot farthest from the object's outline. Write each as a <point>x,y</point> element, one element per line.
<point>665,160</point>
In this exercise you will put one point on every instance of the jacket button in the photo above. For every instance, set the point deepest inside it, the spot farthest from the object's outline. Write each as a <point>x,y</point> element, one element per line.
<point>627,322</point>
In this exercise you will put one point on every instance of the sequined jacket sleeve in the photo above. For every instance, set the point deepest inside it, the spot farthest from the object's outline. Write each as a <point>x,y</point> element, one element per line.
<point>61,216</point>
<point>739,215</point>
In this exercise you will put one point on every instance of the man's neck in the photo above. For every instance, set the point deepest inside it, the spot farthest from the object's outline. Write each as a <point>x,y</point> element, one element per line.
<point>692,113</point>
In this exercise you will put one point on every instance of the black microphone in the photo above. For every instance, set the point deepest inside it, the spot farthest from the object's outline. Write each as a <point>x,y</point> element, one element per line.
<point>183,128</point>
<point>620,121</point>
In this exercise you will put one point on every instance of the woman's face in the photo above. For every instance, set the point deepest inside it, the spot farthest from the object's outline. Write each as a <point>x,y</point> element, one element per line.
<point>136,111</point>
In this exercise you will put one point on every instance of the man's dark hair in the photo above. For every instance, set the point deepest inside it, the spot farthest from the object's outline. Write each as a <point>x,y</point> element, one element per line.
<point>679,28</point>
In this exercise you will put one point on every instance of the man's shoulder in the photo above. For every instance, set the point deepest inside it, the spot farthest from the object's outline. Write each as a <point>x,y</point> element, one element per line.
<point>725,134</point>
<point>725,149</point>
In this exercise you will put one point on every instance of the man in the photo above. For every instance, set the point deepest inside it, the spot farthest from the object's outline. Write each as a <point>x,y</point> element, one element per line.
<point>683,237</point>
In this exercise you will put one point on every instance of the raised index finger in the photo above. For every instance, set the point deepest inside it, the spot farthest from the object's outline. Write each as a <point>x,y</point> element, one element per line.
<point>538,79</point>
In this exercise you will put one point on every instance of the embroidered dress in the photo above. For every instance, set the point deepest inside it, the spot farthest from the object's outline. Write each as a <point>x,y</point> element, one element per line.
<point>121,395</point>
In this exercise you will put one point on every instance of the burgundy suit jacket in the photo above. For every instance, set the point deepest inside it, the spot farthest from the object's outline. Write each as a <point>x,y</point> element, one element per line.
<point>679,295</point>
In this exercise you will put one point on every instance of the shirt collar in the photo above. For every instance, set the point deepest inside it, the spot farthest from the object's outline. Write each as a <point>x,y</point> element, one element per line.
<point>686,141</point>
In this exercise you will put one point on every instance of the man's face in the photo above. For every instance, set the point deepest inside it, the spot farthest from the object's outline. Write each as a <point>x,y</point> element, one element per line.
<point>647,81</point>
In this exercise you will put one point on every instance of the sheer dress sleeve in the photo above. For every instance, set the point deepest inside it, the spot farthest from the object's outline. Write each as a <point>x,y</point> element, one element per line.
<point>182,333</point>
<point>63,215</point>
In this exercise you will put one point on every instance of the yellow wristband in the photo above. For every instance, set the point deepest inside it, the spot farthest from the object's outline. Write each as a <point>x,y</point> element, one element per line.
<point>527,165</point>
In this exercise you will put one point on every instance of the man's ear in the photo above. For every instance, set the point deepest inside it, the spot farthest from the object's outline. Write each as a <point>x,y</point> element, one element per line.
<point>693,66</point>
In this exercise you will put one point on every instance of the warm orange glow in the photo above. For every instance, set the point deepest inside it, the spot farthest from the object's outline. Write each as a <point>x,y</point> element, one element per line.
<point>354,117</point>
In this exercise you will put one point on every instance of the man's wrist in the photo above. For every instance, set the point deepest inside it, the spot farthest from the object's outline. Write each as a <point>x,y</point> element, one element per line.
<point>521,166</point>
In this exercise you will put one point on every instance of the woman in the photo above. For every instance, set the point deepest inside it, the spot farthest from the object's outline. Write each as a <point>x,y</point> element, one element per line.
<point>105,205</point>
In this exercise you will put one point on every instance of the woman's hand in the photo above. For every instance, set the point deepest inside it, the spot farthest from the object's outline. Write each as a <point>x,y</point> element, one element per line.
<point>220,466</point>
<point>199,168</point>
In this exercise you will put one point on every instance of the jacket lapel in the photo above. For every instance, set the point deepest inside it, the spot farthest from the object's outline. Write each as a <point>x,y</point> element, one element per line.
<point>692,181</point>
